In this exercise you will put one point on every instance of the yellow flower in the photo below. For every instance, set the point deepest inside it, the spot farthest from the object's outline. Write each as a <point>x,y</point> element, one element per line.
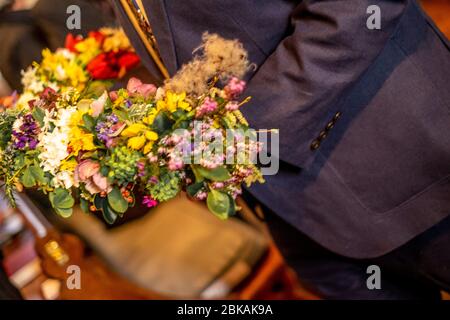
<point>136,143</point>
<point>79,139</point>
<point>148,147</point>
<point>174,101</point>
<point>88,49</point>
<point>115,40</point>
<point>133,130</point>
<point>151,116</point>
<point>68,165</point>
<point>76,74</point>
<point>151,135</point>
<point>139,134</point>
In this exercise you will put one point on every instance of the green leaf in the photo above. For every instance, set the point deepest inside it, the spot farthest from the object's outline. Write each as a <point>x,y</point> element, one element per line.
<point>38,115</point>
<point>96,88</point>
<point>192,189</point>
<point>38,174</point>
<point>232,210</point>
<point>61,199</point>
<point>99,201</point>
<point>84,205</point>
<point>108,213</point>
<point>218,203</point>
<point>218,174</point>
<point>27,178</point>
<point>117,201</point>
<point>89,122</point>
<point>162,123</point>
<point>122,115</point>
<point>65,213</point>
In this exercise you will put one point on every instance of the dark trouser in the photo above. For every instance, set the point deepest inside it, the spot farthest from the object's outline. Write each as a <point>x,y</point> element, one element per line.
<point>416,270</point>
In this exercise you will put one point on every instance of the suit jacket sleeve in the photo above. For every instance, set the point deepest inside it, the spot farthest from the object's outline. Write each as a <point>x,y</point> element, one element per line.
<point>300,86</point>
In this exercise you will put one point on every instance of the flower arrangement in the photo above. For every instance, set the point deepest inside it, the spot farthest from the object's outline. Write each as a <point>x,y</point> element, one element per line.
<point>84,63</point>
<point>188,135</point>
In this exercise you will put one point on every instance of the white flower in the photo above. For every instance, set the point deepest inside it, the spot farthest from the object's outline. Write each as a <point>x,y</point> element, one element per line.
<point>54,144</point>
<point>60,73</point>
<point>22,102</point>
<point>64,179</point>
<point>17,124</point>
<point>66,53</point>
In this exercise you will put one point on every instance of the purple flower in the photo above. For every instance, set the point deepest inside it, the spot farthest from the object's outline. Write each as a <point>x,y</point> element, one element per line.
<point>26,135</point>
<point>106,129</point>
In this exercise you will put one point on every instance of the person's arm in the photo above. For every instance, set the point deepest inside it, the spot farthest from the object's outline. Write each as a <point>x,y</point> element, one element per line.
<point>298,87</point>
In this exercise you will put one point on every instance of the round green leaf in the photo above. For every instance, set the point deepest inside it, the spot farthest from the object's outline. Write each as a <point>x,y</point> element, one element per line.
<point>117,201</point>
<point>27,178</point>
<point>218,174</point>
<point>65,213</point>
<point>61,198</point>
<point>219,204</point>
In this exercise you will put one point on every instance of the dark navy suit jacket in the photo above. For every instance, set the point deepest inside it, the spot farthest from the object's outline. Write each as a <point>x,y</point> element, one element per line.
<point>364,115</point>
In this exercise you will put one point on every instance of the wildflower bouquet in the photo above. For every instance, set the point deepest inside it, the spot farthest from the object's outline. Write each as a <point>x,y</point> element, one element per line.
<point>140,143</point>
<point>84,64</point>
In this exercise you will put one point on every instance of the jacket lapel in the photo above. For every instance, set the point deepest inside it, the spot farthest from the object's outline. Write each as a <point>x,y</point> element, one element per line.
<point>159,22</point>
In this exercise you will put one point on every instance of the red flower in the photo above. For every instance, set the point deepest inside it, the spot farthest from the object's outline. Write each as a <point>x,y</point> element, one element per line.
<point>102,68</point>
<point>98,36</point>
<point>128,60</point>
<point>110,65</point>
<point>71,41</point>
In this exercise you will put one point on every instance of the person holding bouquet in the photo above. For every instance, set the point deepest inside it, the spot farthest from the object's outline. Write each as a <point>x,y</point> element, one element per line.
<point>363,114</point>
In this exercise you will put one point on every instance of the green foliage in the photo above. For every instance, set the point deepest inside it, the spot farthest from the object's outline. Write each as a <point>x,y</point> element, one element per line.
<point>116,201</point>
<point>62,201</point>
<point>168,186</point>
<point>89,122</point>
<point>162,124</point>
<point>101,203</point>
<point>84,205</point>
<point>122,164</point>
<point>217,174</point>
<point>38,115</point>
<point>33,175</point>
<point>194,188</point>
<point>220,204</point>
<point>6,122</point>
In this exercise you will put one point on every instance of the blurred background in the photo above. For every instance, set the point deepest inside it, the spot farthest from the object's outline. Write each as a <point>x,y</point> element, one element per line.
<point>178,250</point>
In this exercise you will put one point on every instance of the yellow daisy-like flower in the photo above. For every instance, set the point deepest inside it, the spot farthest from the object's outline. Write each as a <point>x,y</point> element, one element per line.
<point>133,130</point>
<point>140,136</point>
<point>88,49</point>
<point>68,165</point>
<point>151,116</point>
<point>136,143</point>
<point>174,101</point>
<point>116,40</point>
<point>77,75</point>
<point>80,140</point>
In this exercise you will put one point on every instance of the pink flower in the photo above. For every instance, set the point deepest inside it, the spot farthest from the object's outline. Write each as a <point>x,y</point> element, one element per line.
<point>88,172</point>
<point>232,106</point>
<point>234,87</point>
<point>149,202</point>
<point>99,104</point>
<point>208,106</point>
<point>113,95</point>
<point>136,86</point>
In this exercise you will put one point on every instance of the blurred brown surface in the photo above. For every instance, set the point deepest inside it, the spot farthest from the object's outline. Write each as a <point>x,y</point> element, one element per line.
<point>439,11</point>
